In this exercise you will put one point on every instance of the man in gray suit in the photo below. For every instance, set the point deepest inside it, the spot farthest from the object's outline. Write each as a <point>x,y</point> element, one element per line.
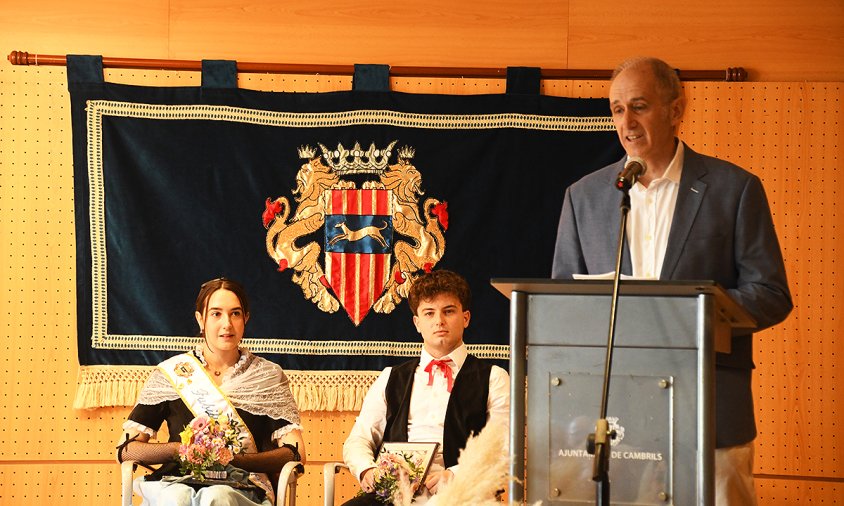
<point>692,217</point>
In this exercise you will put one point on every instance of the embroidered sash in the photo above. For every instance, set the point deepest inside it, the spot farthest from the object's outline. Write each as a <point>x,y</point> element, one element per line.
<point>204,397</point>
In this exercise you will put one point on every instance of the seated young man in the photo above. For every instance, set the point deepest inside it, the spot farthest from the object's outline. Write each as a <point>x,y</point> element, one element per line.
<point>443,396</point>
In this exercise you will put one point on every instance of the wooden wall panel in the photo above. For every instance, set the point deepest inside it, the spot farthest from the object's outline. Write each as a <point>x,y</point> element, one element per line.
<point>490,33</point>
<point>776,40</point>
<point>798,376</point>
<point>69,482</point>
<point>779,492</point>
<point>788,134</point>
<point>120,27</point>
<point>37,284</point>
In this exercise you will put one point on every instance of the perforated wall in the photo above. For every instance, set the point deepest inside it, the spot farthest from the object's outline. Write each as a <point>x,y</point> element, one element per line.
<point>787,133</point>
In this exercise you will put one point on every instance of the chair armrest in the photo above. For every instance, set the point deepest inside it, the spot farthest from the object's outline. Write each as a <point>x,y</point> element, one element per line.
<point>287,483</point>
<point>328,472</point>
<point>127,474</point>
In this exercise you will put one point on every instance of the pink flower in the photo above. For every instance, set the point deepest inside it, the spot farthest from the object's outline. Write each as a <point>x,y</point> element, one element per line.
<point>200,423</point>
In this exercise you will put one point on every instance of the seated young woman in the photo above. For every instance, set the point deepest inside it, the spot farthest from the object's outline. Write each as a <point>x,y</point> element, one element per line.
<point>219,379</point>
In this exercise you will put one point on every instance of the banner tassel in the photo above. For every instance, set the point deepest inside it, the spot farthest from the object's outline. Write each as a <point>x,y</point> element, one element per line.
<point>100,386</point>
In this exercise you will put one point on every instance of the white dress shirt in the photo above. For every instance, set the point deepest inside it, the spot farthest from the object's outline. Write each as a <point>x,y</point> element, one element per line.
<point>650,217</point>
<point>427,411</point>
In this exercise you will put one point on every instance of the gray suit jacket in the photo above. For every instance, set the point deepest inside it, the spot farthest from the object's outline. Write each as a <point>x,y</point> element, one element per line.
<point>722,230</point>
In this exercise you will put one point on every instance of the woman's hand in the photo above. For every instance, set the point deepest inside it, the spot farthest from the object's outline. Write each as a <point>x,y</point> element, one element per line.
<point>271,461</point>
<point>367,480</point>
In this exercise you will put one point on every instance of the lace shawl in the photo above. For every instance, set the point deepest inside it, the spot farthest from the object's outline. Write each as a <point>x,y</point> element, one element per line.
<point>254,384</point>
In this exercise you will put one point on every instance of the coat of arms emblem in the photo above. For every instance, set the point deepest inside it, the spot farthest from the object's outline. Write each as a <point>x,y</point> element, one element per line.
<point>358,214</point>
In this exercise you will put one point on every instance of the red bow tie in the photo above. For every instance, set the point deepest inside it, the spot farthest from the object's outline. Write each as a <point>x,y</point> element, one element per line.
<point>444,367</point>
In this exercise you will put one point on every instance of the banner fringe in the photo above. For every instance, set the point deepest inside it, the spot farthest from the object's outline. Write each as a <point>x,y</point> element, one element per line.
<point>100,386</point>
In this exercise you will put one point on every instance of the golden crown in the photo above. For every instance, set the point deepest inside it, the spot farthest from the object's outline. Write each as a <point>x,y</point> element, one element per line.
<point>406,153</point>
<point>306,152</point>
<point>356,160</point>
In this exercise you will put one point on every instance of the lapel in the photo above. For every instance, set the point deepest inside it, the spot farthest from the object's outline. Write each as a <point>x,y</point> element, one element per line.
<point>690,196</point>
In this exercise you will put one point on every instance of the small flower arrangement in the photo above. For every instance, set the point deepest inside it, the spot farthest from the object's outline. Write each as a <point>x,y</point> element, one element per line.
<point>398,476</point>
<point>208,445</point>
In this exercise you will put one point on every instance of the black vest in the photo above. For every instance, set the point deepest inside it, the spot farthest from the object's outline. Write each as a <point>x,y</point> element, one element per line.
<point>465,414</point>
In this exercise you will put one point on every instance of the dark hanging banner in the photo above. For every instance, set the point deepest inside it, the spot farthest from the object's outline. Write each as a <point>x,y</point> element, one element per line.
<point>325,206</point>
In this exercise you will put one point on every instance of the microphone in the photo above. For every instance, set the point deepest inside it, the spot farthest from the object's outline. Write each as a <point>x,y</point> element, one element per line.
<point>633,169</point>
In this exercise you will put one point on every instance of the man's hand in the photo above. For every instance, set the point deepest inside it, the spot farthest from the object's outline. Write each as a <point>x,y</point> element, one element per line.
<point>367,480</point>
<point>433,481</point>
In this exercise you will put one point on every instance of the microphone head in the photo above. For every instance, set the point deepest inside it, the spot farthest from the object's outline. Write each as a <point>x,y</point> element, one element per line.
<point>632,161</point>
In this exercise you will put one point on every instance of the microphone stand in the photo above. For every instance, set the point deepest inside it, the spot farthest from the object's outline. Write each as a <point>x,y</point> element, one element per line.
<point>598,444</point>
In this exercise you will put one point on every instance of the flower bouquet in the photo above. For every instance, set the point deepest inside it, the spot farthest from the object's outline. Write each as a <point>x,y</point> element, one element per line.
<point>208,445</point>
<point>400,470</point>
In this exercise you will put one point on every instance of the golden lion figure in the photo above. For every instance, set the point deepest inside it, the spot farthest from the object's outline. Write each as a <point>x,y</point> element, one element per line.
<point>428,242</point>
<point>312,180</point>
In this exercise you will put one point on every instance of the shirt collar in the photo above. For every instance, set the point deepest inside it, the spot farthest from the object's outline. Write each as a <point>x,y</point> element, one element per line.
<point>674,170</point>
<point>458,356</point>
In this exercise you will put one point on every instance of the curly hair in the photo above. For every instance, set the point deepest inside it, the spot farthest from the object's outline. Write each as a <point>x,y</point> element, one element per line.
<point>428,286</point>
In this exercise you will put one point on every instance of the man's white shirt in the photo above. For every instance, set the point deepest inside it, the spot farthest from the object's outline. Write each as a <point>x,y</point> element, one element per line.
<point>428,405</point>
<point>650,218</point>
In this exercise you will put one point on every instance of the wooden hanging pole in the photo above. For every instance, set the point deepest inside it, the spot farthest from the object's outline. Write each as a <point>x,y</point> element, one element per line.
<point>25,58</point>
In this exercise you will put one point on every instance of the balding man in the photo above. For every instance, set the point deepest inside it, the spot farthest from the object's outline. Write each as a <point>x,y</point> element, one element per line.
<point>691,217</point>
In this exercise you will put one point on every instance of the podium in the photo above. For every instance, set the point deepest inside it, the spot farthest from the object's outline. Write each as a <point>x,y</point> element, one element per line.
<point>661,397</point>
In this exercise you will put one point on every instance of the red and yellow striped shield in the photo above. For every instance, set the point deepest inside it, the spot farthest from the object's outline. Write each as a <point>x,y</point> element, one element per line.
<point>358,247</point>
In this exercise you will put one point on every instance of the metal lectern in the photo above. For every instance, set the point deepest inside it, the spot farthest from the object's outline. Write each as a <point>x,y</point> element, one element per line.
<point>661,398</point>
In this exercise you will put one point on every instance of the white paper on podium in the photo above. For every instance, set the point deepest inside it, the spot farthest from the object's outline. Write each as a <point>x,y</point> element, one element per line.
<point>609,275</point>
